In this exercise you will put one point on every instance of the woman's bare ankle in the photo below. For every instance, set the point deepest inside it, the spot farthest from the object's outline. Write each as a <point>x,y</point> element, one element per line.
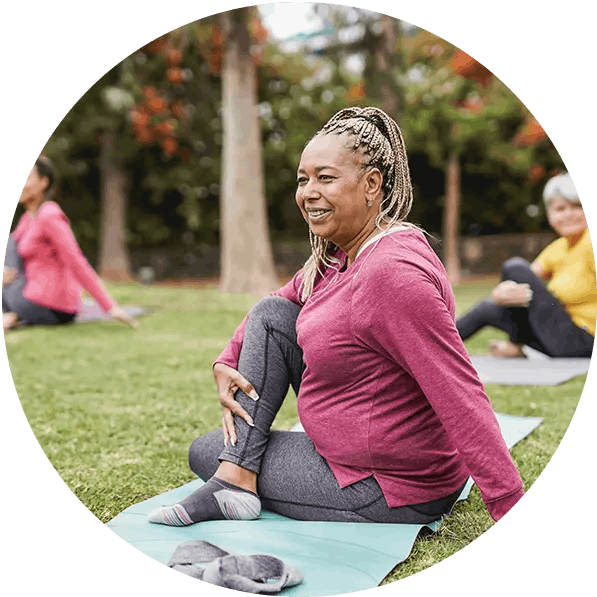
<point>9,320</point>
<point>237,475</point>
<point>504,349</point>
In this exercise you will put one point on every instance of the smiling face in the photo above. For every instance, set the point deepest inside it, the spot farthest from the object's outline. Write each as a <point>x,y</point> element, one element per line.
<point>333,191</point>
<point>34,188</point>
<point>566,218</point>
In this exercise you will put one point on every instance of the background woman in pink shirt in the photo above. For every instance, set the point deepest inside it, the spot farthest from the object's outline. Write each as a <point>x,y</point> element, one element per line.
<point>394,414</point>
<point>44,268</point>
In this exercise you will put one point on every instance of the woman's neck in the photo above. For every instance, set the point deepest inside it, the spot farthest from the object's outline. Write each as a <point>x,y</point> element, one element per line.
<point>32,207</point>
<point>378,232</point>
<point>574,238</point>
<point>352,253</point>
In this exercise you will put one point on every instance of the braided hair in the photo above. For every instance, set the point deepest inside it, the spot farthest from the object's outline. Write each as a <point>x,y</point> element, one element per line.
<point>378,139</point>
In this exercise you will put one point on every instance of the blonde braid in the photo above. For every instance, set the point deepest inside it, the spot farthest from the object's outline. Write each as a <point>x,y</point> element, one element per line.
<point>378,138</point>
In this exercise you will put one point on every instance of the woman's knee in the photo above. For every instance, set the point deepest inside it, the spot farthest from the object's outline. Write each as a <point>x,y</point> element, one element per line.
<point>488,309</point>
<point>276,312</point>
<point>485,312</point>
<point>514,268</point>
<point>204,453</point>
<point>275,305</point>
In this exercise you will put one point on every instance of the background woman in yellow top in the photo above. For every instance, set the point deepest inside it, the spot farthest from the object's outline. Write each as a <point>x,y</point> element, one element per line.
<point>550,304</point>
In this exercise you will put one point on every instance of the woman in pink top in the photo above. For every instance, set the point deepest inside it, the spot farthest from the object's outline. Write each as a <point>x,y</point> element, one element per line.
<point>394,414</point>
<point>44,268</point>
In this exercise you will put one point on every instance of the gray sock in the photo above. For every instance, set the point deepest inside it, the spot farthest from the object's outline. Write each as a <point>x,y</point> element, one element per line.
<point>216,500</point>
<point>251,574</point>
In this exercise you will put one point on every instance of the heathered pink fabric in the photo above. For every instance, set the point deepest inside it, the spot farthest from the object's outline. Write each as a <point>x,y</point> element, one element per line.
<point>389,389</point>
<point>55,268</point>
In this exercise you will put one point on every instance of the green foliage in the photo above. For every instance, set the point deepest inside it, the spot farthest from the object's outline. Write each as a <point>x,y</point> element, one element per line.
<point>447,113</point>
<point>168,191</point>
<point>171,192</point>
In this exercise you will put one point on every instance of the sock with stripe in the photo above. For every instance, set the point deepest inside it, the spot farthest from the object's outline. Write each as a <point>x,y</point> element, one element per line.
<point>216,500</point>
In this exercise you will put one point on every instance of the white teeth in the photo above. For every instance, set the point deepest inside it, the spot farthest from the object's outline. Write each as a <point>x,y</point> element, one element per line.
<point>318,212</point>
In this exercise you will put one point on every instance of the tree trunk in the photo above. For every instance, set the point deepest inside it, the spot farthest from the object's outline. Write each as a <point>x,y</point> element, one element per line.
<point>246,258</point>
<point>114,261</point>
<point>386,88</point>
<point>451,222</point>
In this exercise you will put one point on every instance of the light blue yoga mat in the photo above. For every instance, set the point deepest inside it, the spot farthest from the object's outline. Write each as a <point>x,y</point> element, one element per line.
<point>335,557</point>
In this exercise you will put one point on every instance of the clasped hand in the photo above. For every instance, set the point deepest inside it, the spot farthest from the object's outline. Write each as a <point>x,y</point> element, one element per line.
<point>512,294</point>
<point>9,275</point>
<point>228,381</point>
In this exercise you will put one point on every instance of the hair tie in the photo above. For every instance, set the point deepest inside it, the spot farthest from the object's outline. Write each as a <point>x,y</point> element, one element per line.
<point>378,123</point>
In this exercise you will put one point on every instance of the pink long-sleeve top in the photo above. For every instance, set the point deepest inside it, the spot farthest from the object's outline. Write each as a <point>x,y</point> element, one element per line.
<point>389,389</point>
<point>55,268</point>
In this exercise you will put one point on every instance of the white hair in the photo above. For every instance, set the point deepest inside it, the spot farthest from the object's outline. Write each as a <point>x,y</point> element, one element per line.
<point>560,186</point>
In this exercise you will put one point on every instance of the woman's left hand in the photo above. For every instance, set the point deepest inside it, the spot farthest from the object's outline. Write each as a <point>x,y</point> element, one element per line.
<point>228,381</point>
<point>121,315</point>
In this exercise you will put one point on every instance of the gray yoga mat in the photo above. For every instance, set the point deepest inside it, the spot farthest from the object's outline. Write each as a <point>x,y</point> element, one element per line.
<point>536,370</point>
<point>91,311</point>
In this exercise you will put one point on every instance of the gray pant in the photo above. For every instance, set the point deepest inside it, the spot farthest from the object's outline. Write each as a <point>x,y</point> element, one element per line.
<point>294,480</point>
<point>14,301</point>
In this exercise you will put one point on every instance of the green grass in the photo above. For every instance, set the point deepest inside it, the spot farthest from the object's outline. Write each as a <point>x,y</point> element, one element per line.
<point>116,410</point>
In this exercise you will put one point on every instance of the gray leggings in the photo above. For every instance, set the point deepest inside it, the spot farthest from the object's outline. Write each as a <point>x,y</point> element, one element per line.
<point>294,480</point>
<point>14,301</point>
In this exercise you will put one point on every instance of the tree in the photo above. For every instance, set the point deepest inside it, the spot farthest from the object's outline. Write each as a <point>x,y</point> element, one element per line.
<point>154,124</point>
<point>114,259</point>
<point>451,223</point>
<point>100,114</point>
<point>467,124</point>
<point>381,80</point>
<point>377,39</point>
<point>157,111</point>
<point>162,106</point>
<point>247,265</point>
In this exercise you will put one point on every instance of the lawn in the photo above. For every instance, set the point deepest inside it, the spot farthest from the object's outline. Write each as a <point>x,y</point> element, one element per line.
<point>115,410</point>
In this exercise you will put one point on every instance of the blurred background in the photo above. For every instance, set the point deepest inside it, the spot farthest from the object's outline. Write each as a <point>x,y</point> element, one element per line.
<point>164,181</point>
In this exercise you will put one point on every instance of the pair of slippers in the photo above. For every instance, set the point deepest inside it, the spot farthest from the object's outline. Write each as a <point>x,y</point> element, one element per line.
<point>251,574</point>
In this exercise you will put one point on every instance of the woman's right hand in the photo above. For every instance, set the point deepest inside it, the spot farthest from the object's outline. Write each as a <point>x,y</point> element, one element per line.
<point>228,381</point>
<point>512,294</point>
<point>9,275</point>
<point>117,312</point>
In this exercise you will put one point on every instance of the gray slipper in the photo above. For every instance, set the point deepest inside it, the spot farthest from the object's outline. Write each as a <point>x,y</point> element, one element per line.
<point>253,574</point>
